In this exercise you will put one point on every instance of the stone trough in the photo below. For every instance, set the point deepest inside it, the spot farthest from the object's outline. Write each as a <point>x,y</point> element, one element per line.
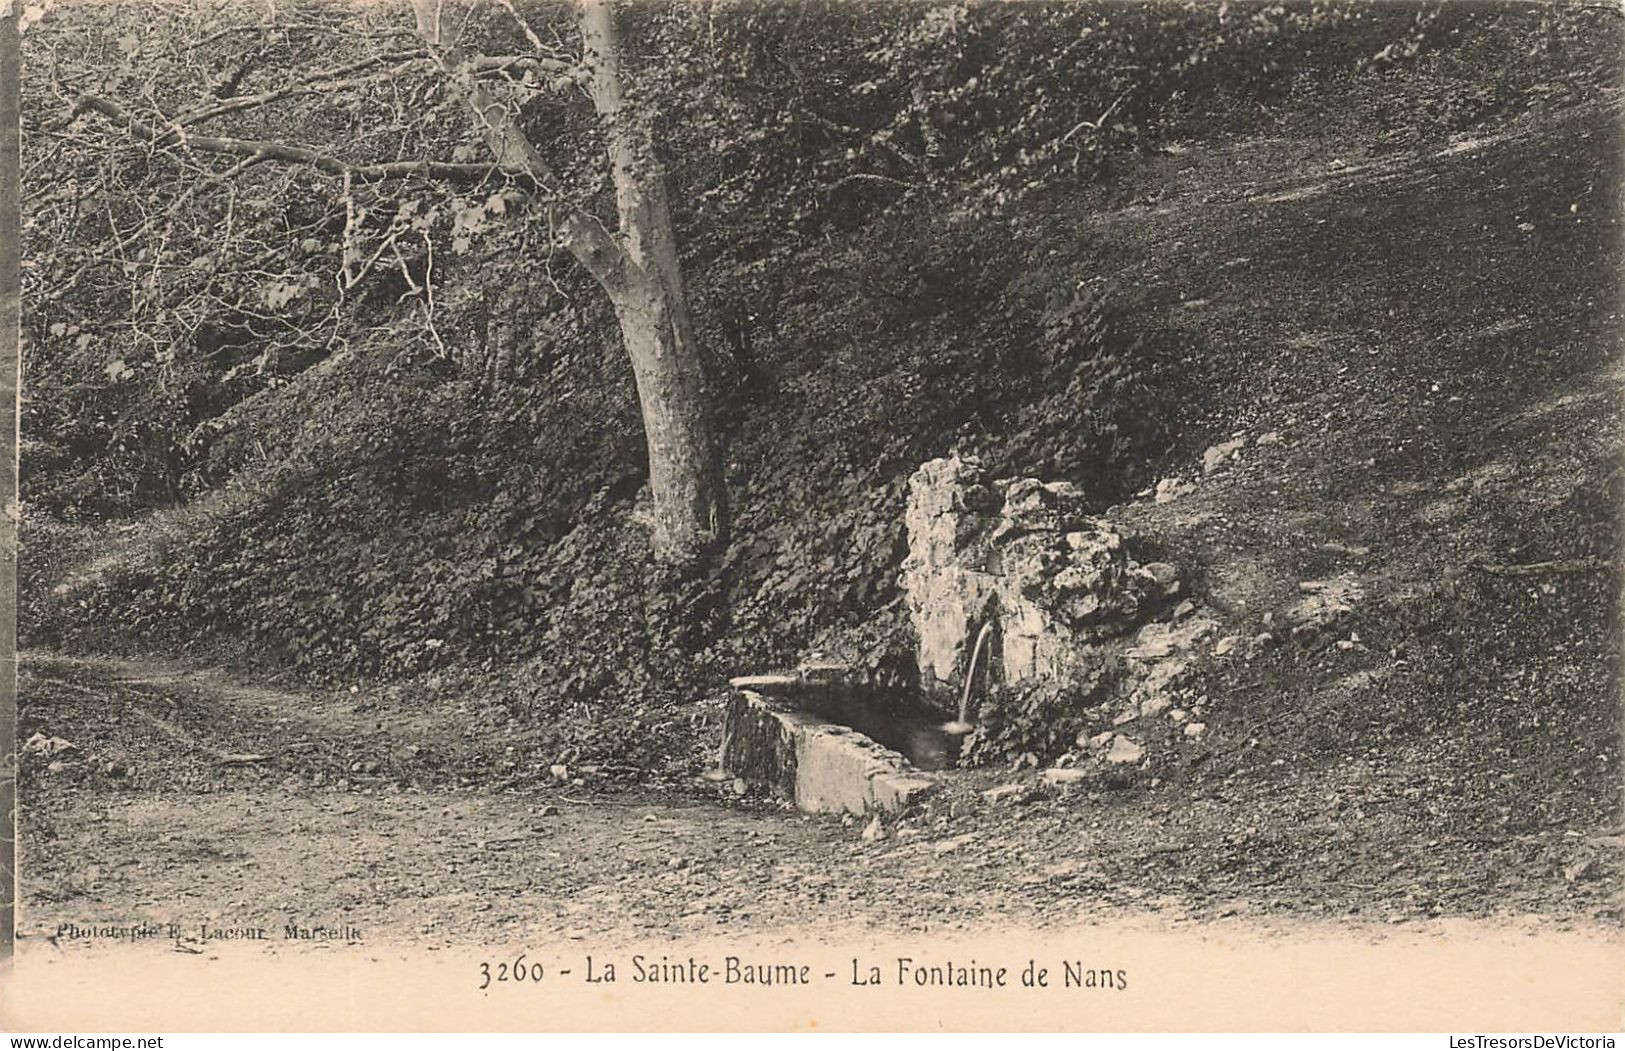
<point>773,743</point>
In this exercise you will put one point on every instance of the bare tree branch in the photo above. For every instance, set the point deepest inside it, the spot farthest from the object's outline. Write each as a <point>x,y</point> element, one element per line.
<point>261,150</point>
<point>290,28</point>
<point>577,230</point>
<point>326,80</point>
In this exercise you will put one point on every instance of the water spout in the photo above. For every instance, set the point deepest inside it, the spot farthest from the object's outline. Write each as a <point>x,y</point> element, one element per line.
<point>962,725</point>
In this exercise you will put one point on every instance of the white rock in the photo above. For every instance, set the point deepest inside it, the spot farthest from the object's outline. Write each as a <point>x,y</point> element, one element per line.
<point>1195,729</point>
<point>1585,868</point>
<point>1162,572</point>
<point>40,744</point>
<point>1125,750</point>
<point>1170,489</point>
<point>1218,454</point>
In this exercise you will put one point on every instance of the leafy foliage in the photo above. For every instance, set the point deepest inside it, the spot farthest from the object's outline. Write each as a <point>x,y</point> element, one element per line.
<point>1035,719</point>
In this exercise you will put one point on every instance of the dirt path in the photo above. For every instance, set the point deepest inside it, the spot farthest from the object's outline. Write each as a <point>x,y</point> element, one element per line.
<point>193,800</point>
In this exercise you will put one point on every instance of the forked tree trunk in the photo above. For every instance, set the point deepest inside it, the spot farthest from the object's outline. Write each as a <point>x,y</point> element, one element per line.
<point>638,269</point>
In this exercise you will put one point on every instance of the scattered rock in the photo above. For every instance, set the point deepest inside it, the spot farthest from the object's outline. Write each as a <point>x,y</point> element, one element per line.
<point>1170,489</point>
<point>1013,793</point>
<point>1584,869</point>
<point>1151,649</point>
<point>874,831</point>
<point>1179,715</point>
<point>1226,644</point>
<point>1269,438</point>
<point>1215,455</point>
<point>948,846</point>
<point>1064,776</point>
<point>250,758</point>
<point>559,771</point>
<point>1099,740</point>
<point>740,788</point>
<point>1195,729</point>
<point>1125,717</point>
<point>1163,573</point>
<point>40,744</point>
<point>1154,706</point>
<point>1185,608</point>
<point>548,811</point>
<point>1125,750</point>
<point>1326,602</point>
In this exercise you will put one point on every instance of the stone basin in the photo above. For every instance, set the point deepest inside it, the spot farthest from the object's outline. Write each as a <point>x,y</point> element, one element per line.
<point>792,737</point>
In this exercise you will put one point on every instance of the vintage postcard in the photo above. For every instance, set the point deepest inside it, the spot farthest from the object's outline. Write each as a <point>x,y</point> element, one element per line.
<point>812,515</point>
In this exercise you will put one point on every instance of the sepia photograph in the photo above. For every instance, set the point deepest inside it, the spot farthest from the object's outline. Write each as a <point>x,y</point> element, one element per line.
<point>782,515</point>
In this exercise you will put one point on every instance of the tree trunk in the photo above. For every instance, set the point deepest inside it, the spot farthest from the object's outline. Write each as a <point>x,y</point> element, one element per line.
<point>689,515</point>
<point>690,509</point>
<point>637,267</point>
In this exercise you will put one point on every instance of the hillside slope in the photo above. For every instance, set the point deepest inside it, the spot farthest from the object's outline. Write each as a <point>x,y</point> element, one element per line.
<point>1421,357</point>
